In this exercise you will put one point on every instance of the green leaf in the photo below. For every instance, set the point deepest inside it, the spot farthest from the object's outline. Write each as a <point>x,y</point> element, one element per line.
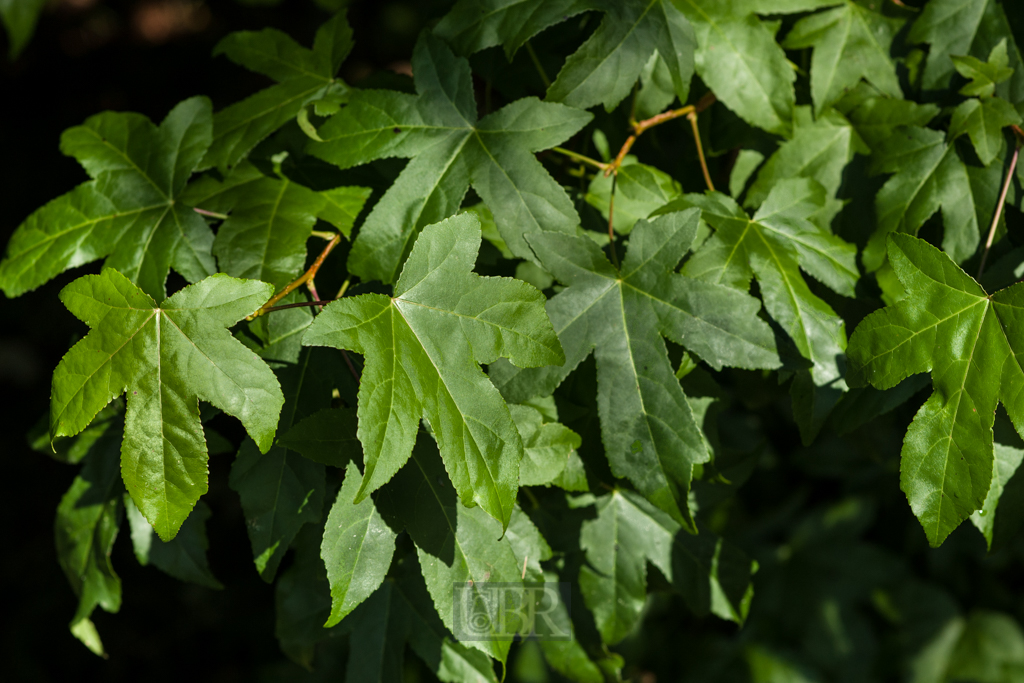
<point>738,58</point>
<point>984,76</point>
<point>928,175</point>
<point>626,534</point>
<point>128,212</point>
<point>265,236</point>
<point>969,341</point>
<point>984,121</point>
<point>1007,462</point>
<point>819,150</point>
<point>327,436</point>
<point>357,548</point>
<point>88,519</point>
<point>280,490</point>
<point>19,18</point>
<point>343,205</point>
<point>184,556</point>
<point>450,150</point>
<point>303,76</point>
<point>605,68</point>
<point>850,42</point>
<point>647,427</point>
<point>454,544</point>
<point>165,358</point>
<point>639,191</point>
<point>473,25</point>
<point>422,348</point>
<point>957,27</point>
<point>547,445</point>
<point>877,118</point>
<point>774,246</point>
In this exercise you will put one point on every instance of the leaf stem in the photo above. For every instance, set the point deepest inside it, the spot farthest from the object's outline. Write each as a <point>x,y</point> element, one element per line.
<point>211,214</point>
<point>344,287</point>
<point>999,209</point>
<point>323,234</point>
<point>581,158</point>
<point>283,307</point>
<point>536,63</point>
<point>692,117</point>
<point>302,279</point>
<point>640,127</point>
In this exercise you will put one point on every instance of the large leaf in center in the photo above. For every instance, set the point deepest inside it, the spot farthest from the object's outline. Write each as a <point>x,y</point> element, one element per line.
<point>422,347</point>
<point>166,358</point>
<point>450,149</point>
<point>648,429</point>
<point>972,343</point>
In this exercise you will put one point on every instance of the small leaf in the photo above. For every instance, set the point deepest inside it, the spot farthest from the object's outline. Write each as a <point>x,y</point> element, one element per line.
<point>184,556</point>
<point>984,121</point>
<point>547,445</point>
<point>166,358</point>
<point>19,18</point>
<point>984,76</point>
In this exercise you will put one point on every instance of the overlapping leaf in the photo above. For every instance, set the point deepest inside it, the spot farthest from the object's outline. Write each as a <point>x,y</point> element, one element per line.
<point>281,490</point>
<point>959,27</point>
<point>128,212</point>
<point>184,556</point>
<point>450,149</point>
<point>850,42</point>
<point>455,545</point>
<point>165,358</point>
<point>647,427</point>
<point>970,342</point>
<point>473,25</point>
<point>357,548</point>
<point>422,347</point>
<point>774,246</point>
<point>626,534</point>
<point>88,519</point>
<point>929,175</point>
<point>548,445</point>
<point>303,76</point>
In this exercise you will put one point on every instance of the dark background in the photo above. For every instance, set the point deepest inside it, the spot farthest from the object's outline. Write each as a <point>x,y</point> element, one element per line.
<point>144,56</point>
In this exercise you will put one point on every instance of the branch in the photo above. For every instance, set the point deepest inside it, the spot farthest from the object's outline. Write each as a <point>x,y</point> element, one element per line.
<point>999,209</point>
<point>295,284</point>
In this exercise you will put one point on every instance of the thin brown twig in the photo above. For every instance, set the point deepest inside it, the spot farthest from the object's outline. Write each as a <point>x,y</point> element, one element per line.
<point>640,127</point>
<point>999,209</point>
<point>692,116</point>
<point>211,214</point>
<point>611,222</point>
<point>302,279</point>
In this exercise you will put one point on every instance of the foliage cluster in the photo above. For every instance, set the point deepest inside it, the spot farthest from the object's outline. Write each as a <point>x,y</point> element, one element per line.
<point>528,354</point>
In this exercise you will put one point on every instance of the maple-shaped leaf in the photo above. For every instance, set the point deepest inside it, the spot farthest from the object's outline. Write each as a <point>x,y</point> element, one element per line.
<point>547,445</point>
<point>302,76</point>
<point>357,548</point>
<point>959,27</point>
<point>474,25</point>
<point>850,42</point>
<point>984,120</point>
<point>626,534</point>
<point>129,212</point>
<point>422,348</point>
<point>88,519</point>
<point>455,545</point>
<point>450,149</point>
<point>774,246</point>
<point>928,174</point>
<point>971,343</point>
<point>984,76</point>
<point>605,68</point>
<point>649,432</point>
<point>165,358</point>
